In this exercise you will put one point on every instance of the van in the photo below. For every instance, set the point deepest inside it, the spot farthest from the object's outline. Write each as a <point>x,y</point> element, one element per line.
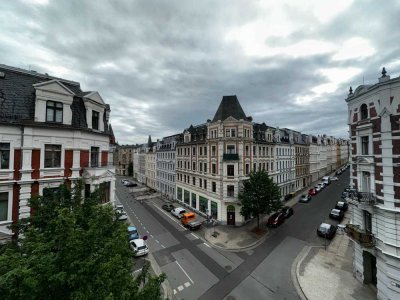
<point>326,180</point>
<point>188,217</point>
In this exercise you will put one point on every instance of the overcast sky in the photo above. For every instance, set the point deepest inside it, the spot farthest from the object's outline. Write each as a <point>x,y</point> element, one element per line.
<point>164,65</point>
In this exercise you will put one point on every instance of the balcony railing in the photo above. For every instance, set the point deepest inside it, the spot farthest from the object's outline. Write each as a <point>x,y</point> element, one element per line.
<point>231,156</point>
<point>361,237</point>
<point>366,198</point>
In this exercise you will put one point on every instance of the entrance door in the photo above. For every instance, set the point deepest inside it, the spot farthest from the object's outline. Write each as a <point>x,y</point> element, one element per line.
<point>230,215</point>
<point>369,264</point>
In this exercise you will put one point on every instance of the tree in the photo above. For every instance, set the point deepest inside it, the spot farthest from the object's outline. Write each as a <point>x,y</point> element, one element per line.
<point>72,248</point>
<point>259,195</point>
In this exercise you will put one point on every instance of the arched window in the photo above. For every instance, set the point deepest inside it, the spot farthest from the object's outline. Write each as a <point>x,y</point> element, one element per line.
<point>364,111</point>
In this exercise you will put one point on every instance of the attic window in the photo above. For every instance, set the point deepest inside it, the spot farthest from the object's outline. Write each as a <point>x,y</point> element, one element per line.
<point>2,74</point>
<point>54,112</point>
<point>95,120</point>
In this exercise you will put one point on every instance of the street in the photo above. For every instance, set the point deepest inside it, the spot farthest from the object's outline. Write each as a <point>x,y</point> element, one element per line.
<point>195,270</point>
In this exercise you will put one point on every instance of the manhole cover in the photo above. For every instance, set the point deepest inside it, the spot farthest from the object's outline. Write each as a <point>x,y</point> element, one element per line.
<point>228,268</point>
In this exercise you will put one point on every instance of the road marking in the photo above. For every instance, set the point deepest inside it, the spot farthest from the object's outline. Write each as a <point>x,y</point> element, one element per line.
<point>187,284</point>
<point>207,245</point>
<point>180,288</point>
<point>147,231</point>
<point>151,235</point>
<point>184,272</point>
<point>162,246</point>
<point>175,291</point>
<point>137,270</point>
<point>144,228</point>
<point>195,235</point>
<point>157,241</point>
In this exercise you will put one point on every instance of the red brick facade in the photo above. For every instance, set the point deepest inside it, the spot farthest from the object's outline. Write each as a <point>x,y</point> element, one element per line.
<point>36,163</point>
<point>104,158</point>
<point>68,161</point>
<point>17,164</point>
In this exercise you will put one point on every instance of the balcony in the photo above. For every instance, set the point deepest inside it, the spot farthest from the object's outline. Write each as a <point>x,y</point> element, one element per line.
<point>364,199</point>
<point>230,157</point>
<point>361,237</point>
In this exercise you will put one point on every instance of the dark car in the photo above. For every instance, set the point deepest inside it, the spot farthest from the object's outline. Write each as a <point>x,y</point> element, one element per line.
<point>167,207</point>
<point>276,219</point>
<point>312,192</point>
<point>338,172</point>
<point>342,205</point>
<point>194,225</point>
<point>345,195</point>
<point>336,214</point>
<point>326,230</point>
<point>287,211</point>
<point>130,184</point>
<point>304,198</point>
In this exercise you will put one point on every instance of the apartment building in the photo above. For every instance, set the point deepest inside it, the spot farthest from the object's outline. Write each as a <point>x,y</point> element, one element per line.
<point>374,123</point>
<point>51,132</point>
<point>123,159</point>
<point>302,160</point>
<point>165,165</point>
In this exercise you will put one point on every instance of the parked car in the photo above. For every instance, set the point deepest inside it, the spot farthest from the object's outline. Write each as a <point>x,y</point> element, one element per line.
<point>326,230</point>
<point>336,214</point>
<point>276,219</point>
<point>123,181</point>
<point>342,205</point>
<point>304,198</point>
<point>130,184</point>
<point>139,247</point>
<point>322,185</point>
<point>345,195</point>
<point>326,180</point>
<point>178,212</point>
<point>194,225</point>
<point>338,172</point>
<point>317,188</point>
<point>290,195</point>
<point>312,192</point>
<point>121,215</point>
<point>133,233</point>
<point>168,207</point>
<point>119,207</point>
<point>287,211</point>
<point>334,178</point>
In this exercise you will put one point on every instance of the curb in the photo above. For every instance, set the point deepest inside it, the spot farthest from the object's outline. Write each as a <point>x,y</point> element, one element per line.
<point>240,249</point>
<point>295,271</point>
<point>167,290</point>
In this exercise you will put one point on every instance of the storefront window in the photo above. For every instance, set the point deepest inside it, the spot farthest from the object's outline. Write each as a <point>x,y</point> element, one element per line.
<point>203,203</point>
<point>179,190</point>
<point>214,210</point>
<point>194,200</point>
<point>187,197</point>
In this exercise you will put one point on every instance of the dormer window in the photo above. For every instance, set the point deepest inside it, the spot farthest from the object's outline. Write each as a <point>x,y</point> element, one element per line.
<point>54,112</point>
<point>95,120</point>
<point>364,111</point>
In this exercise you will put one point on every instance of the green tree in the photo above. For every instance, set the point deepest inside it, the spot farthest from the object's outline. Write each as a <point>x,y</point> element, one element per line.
<point>72,248</point>
<point>259,195</point>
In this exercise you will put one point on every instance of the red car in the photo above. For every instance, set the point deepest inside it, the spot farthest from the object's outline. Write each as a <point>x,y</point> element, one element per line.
<point>312,192</point>
<point>276,219</point>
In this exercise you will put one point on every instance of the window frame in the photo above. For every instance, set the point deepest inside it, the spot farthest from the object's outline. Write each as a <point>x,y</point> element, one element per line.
<point>230,169</point>
<point>4,152</point>
<point>7,201</point>
<point>54,106</point>
<point>97,119</point>
<point>53,149</point>
<point>93,163</point>
<point>364,111</point>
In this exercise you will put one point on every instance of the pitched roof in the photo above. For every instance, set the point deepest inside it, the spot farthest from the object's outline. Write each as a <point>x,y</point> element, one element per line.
<point>18,96</point>
<point>229,107</point>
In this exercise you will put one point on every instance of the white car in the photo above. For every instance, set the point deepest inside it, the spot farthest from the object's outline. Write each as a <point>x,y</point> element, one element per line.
<point>334,178</point>
<point>178,212</point>
<point>317,188</point>
<point>119,207</point>
<point>122,216</point>
<point>123,181</point>
<point>321,185</point>
<point>139,247</point>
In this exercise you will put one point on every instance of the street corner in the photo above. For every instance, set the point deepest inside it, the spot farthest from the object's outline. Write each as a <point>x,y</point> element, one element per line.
<point>235,238</point>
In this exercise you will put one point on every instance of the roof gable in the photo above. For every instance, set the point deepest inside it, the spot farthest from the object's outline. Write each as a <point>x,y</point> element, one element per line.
<point>53,86</point>
<point>94,96</point>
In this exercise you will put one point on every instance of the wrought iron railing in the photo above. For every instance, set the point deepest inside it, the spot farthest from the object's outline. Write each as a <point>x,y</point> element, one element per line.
<point>362,237</point>
<point>231,156</point>
<point>366,198</point>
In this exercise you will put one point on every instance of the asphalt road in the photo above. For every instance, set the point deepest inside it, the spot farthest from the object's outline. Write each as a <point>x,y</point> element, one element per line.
<point>197,271</point>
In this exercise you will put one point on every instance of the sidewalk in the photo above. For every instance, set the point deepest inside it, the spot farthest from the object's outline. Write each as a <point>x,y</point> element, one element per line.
<point>328,274</point>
